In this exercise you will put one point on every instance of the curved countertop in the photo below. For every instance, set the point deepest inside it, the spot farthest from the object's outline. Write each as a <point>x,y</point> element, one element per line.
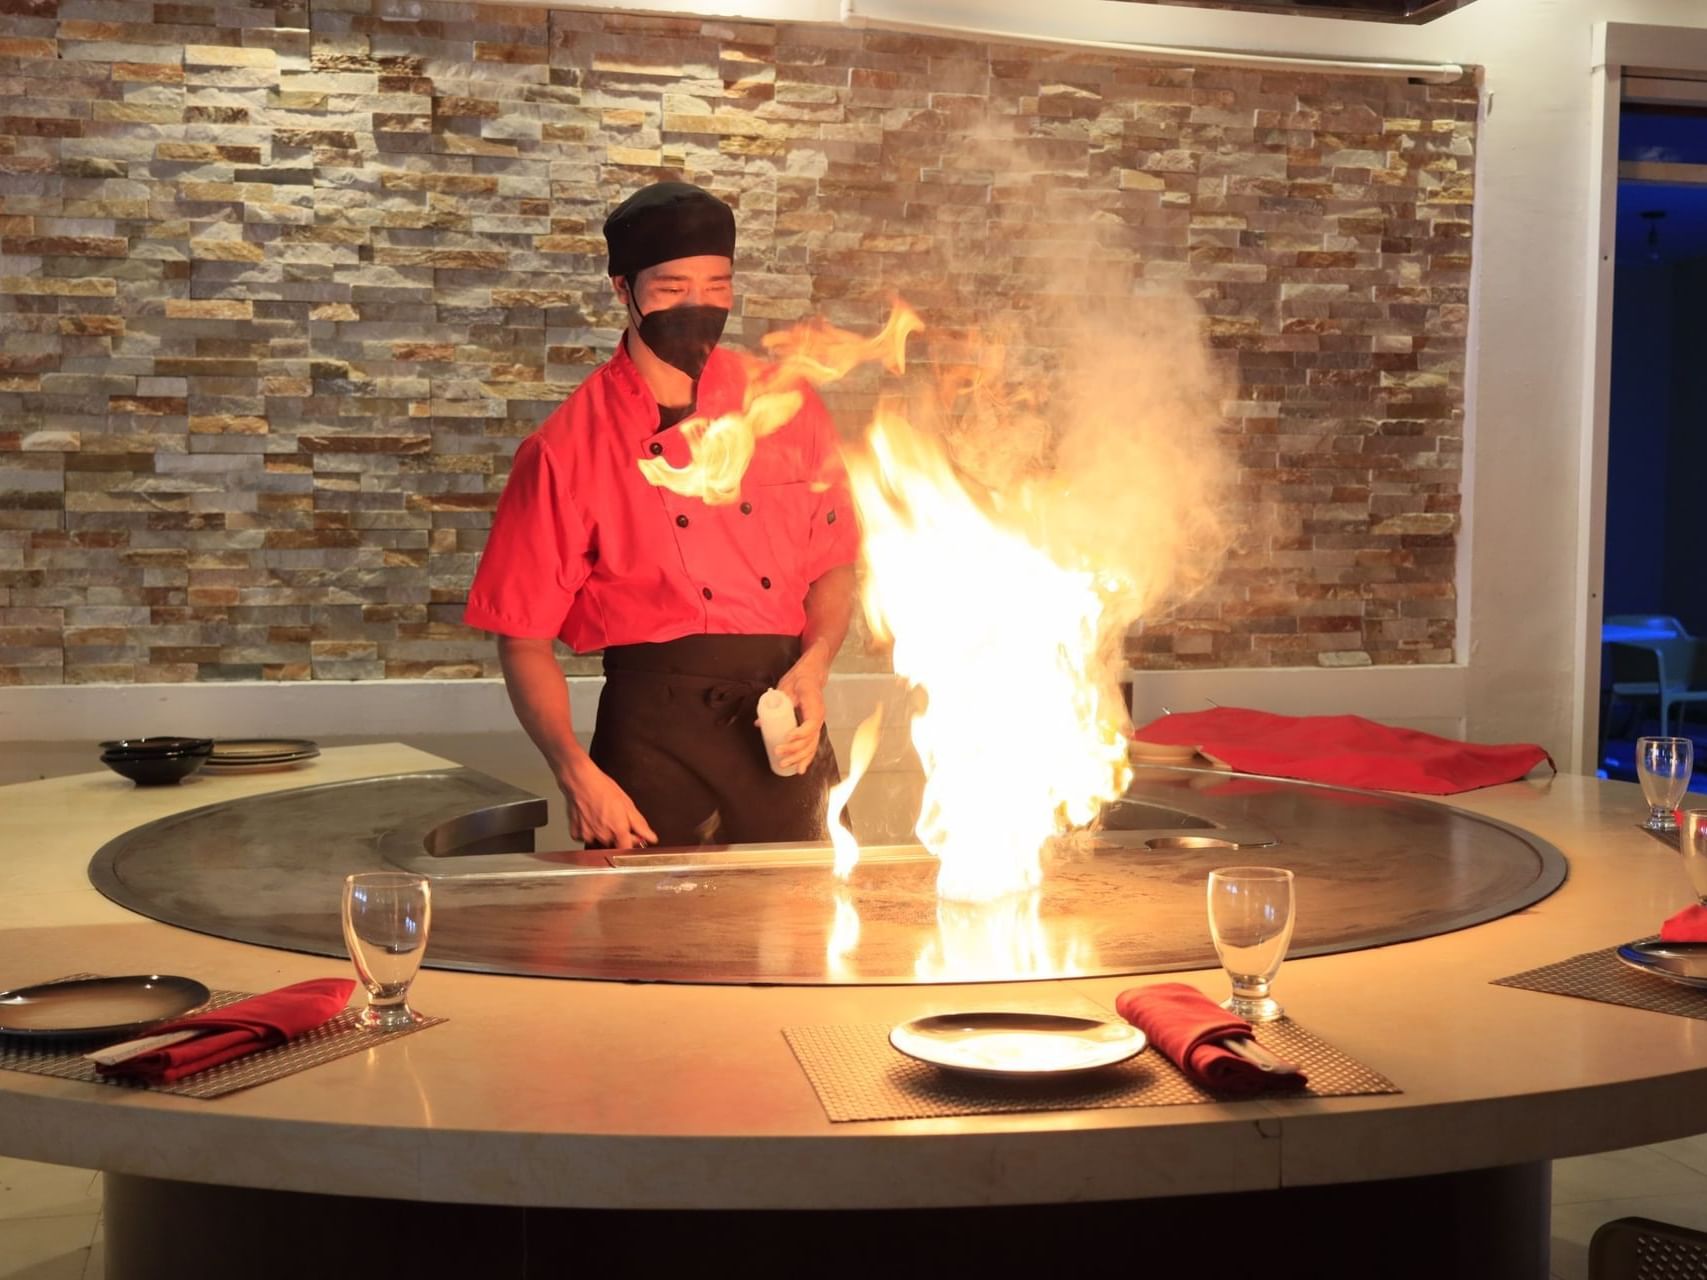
<point>612,1095</point>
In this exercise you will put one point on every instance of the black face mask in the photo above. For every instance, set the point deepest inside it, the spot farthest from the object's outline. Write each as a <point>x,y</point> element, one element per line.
<point>683,336</point>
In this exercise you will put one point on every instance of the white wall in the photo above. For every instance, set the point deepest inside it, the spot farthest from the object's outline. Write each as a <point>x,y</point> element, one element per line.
<point>1527,342</point>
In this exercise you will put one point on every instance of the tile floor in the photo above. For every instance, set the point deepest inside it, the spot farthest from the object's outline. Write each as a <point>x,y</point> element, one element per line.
<point>1666,1182</point>
<point>50,1222</point>
<point>50,1215</point>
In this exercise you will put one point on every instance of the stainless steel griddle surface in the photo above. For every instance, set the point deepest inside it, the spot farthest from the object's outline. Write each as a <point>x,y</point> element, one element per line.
<point>1371,869</point>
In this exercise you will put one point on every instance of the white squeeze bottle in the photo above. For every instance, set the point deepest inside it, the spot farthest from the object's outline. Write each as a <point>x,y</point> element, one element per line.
<point>776,722</point>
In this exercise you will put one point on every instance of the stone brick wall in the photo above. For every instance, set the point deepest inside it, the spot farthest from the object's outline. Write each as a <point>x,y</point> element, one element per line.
<point>282,286</point>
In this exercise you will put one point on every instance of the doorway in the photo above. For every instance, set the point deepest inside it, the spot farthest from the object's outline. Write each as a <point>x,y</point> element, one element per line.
<point>1645,398</point>
<point>1654,608</point>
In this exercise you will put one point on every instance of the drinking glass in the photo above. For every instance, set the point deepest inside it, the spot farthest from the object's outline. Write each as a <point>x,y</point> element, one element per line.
<point>386,914</point>
<point>1250,922</point>
<point>1663,765</point>
<point>1692,844</point>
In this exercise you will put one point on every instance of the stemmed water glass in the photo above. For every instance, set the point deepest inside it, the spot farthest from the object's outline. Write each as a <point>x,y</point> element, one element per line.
<point>386,915</point>
<point>1250,922</point>
<point>1692,844</point>
<point>1664,766</point>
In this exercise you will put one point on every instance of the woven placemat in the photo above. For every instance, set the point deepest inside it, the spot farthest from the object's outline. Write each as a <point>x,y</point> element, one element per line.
<point>858,1075</point>
<point>1602,976</point>
<point>335,1039</point>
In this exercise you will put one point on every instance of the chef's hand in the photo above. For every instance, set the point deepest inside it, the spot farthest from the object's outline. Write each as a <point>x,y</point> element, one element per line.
<point>804,683</point>
<point>600,812</point>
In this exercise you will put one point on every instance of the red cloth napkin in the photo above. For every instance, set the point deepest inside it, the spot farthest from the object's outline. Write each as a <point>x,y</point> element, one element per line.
<point>238,1029</point>
<point>1688,925</point>
<point>1347,751</point>
<point>1185,1024</point>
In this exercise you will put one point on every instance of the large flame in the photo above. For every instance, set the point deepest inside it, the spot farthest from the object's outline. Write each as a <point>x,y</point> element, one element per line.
<point>1017,735</point>
<point>1009,542</point>
<point>811,354</point>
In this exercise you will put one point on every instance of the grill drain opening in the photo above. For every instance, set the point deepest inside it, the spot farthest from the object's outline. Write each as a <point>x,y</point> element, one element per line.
<point>1203,842</point>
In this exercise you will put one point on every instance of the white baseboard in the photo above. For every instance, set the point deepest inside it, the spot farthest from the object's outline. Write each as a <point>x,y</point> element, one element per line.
<point>1429,698</point>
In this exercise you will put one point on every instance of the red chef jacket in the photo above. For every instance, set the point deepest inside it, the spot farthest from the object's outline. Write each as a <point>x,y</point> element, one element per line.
<point>584,548</point>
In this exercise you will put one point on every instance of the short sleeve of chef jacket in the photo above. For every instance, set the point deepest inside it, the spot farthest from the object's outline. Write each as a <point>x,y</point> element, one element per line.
<point>833,537</point>
<point>537,555</point>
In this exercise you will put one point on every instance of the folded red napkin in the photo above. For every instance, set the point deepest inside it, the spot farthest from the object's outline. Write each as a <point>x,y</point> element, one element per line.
<point>1688,925</point>
<point>238,1029</point>
<point>1185,1024</point>
<point>1347,751</point>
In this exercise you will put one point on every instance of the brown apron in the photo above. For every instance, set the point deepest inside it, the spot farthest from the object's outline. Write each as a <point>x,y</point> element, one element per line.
<point>675,730</point>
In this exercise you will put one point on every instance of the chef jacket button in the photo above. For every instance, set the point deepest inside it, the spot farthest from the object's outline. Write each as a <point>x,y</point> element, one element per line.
<point>746,508</point>
<point>706,592</point>
<point>765,583</point>
<point>656,448</point>
<point>831,518</point>
<point>682,522</point>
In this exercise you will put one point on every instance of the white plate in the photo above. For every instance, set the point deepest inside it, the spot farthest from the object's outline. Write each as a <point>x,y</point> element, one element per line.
<point>259,755</point>
<point>1017,1045</point>
<point>257,766</point>
<point>235,749</point>
<point>1161,752</point>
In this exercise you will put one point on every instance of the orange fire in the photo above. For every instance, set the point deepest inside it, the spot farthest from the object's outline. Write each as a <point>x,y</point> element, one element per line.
<point>1021,733</point>
<point>859,760</point>
<point>1005,596</point>
<point>844,928</point>
<point>812,354</point>
<point>989,941</point>
<point>844,935</point>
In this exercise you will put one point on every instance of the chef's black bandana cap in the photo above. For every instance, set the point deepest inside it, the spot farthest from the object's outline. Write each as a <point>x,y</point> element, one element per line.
<point>664,221</point>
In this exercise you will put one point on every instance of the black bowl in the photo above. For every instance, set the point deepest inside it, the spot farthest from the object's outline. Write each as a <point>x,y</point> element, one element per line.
<point>137,747</point>
<point>154,771</point>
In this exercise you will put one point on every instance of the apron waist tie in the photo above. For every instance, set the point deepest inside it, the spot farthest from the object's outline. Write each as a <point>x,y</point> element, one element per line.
<point>734,700</point>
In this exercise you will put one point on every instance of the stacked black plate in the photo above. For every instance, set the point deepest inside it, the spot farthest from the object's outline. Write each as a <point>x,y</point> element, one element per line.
<point>252,755</point>
<point>156,762</point>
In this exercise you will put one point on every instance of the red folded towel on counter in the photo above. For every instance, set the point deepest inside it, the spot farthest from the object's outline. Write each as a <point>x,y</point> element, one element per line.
<point>1688,925</point>
<point>1185,1024</point>
<point>1347,751</point>
<point>238,1029</point>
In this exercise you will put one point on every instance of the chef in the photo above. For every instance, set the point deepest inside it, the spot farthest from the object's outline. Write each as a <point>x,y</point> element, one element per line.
<point>697,607</point>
